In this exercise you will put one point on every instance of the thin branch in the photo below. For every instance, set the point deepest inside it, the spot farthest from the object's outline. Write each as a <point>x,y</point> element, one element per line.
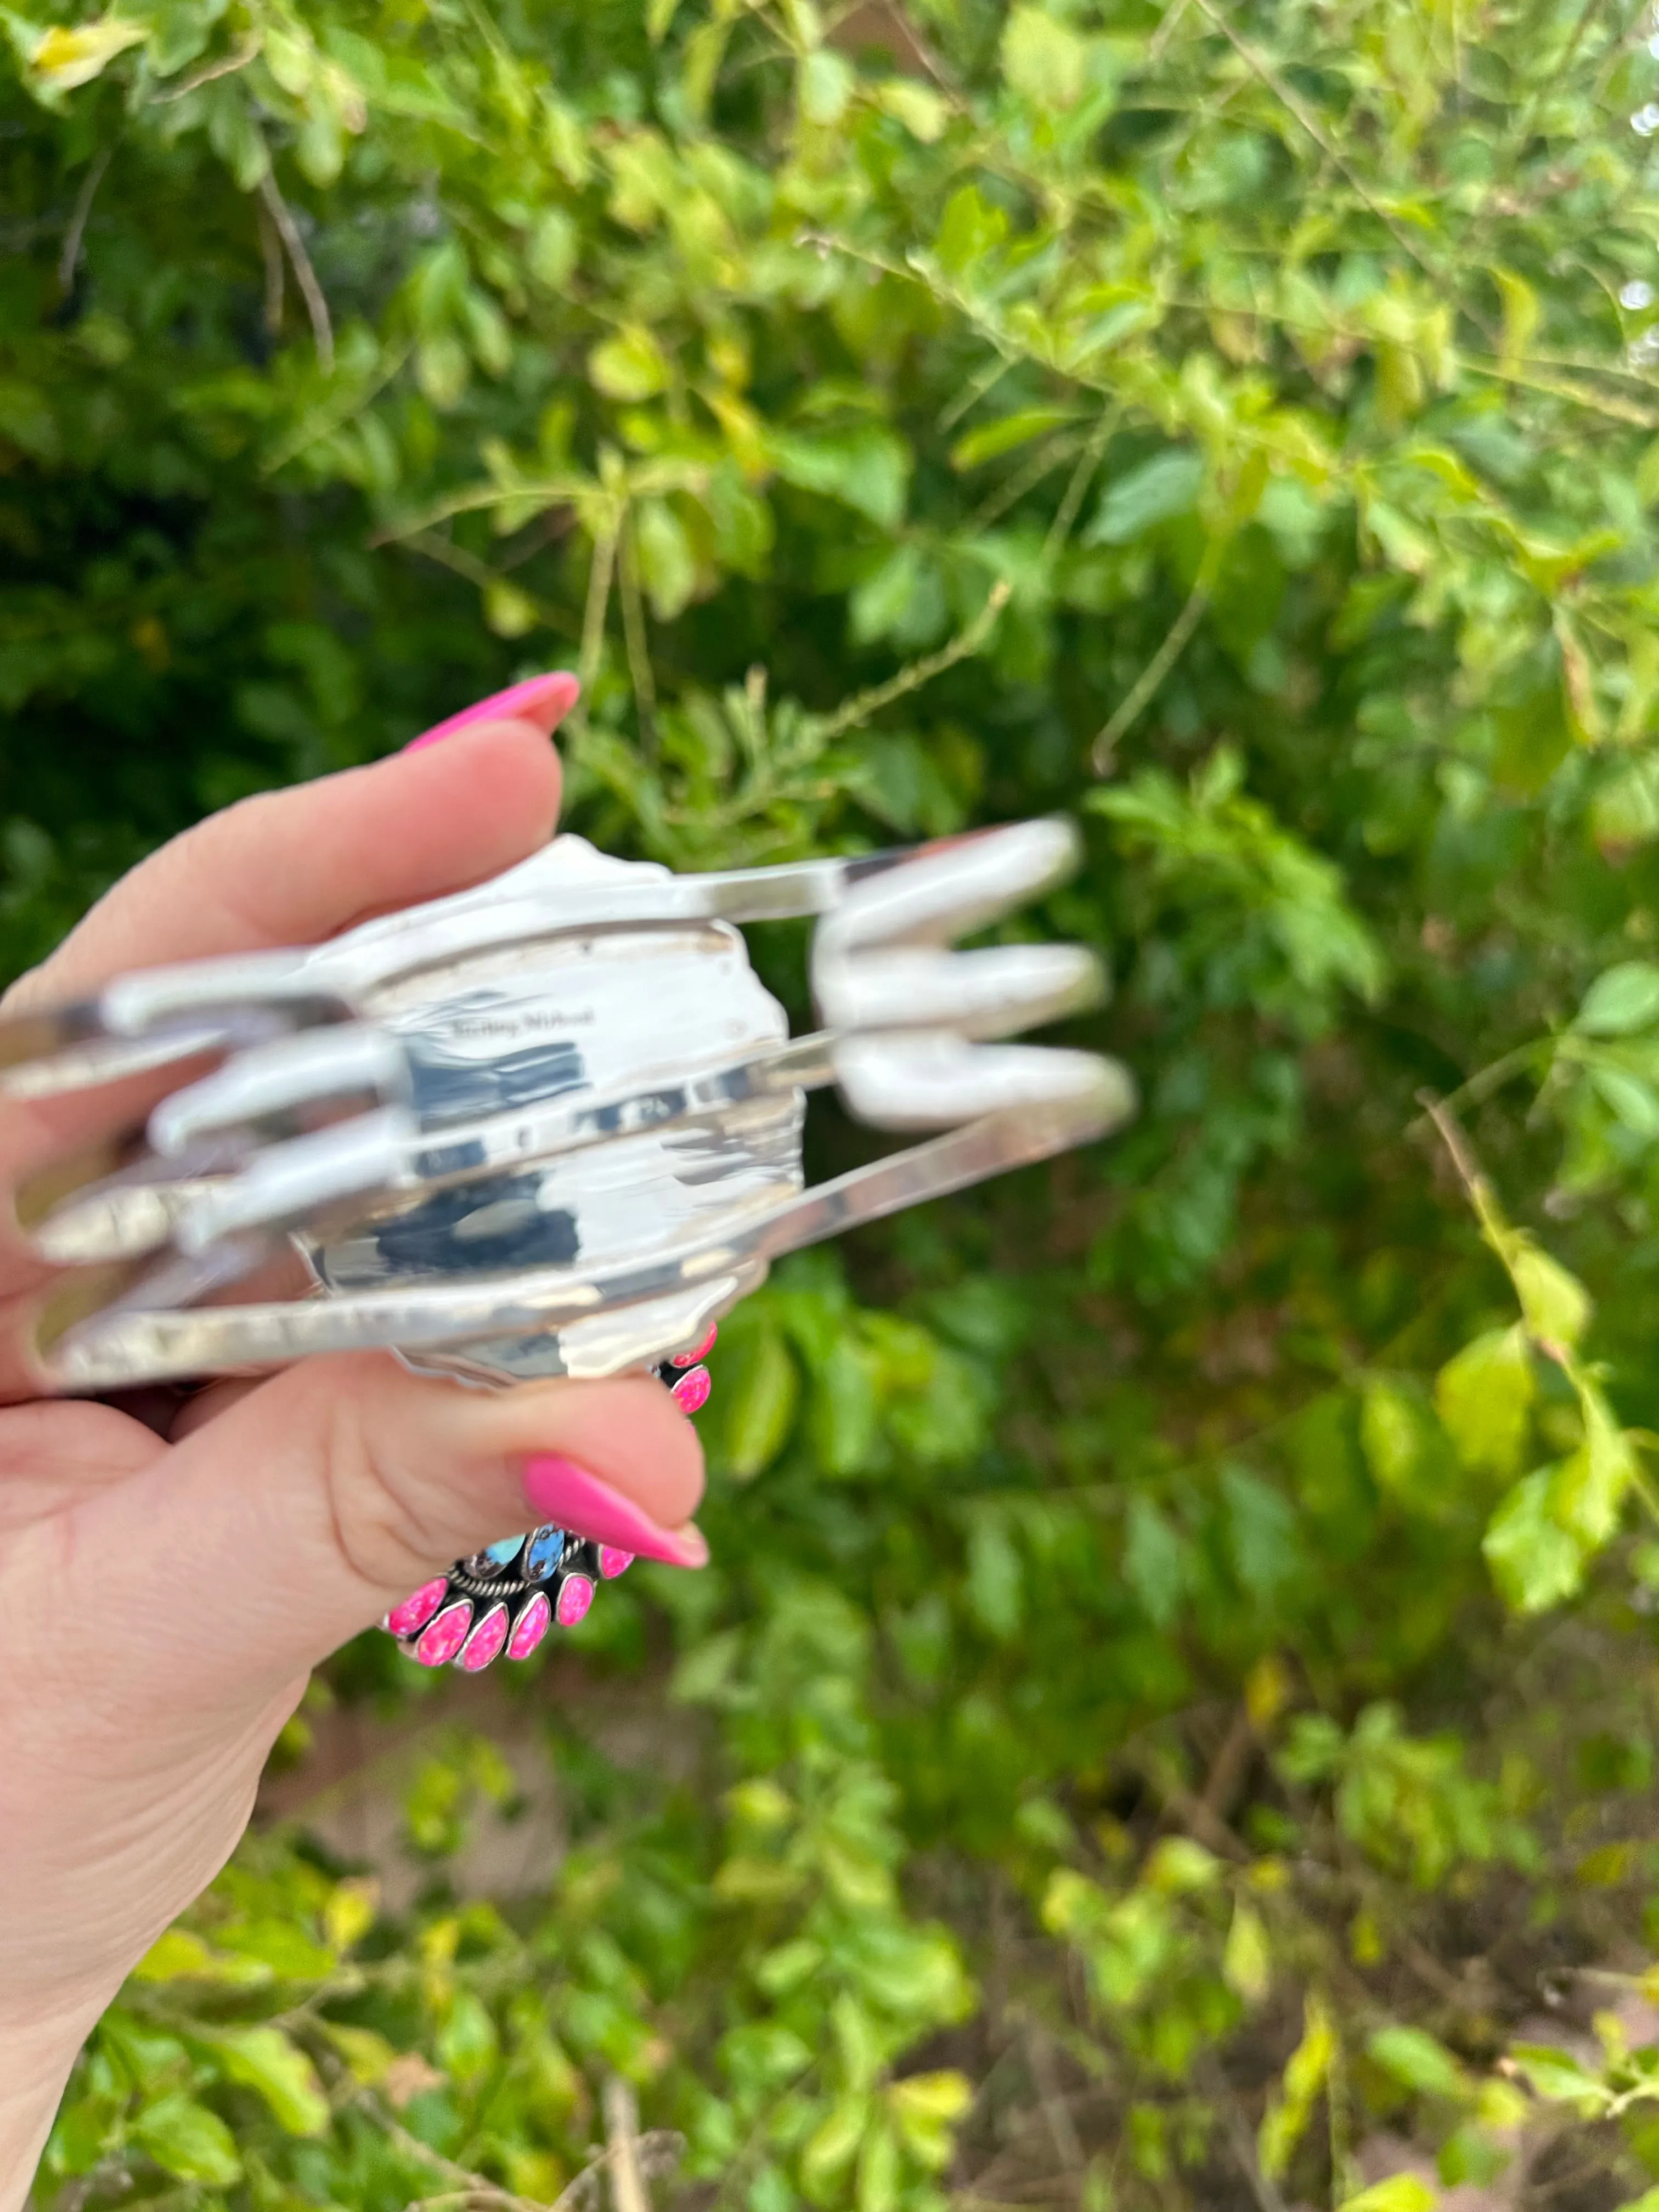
<point>227,66</point>
<point>1166,31</point>
<point>1047,458</point>
<point>460,562</point>
<point>1056,2113</point>
<point>467,2186</point>
<point>1141,690</point>
<point>1457,1148</point>
<point>637,641</point>
<point>270,252</point>
<point>1486,1080</point>
<point>1240,2140</point>
<point>325,421</point>
<point>70,259</point>
<point>858,709</point>
<point>322,329</point>
<point>1082,476</point>
<point>974,390</point>
<point>598,600</point>
<point>622,2132</point>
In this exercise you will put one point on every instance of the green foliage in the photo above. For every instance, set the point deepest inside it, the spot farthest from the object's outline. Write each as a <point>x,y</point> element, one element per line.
<point>1169,1613</point>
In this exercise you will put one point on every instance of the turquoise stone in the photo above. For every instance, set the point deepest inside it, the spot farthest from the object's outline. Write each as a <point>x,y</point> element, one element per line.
<point>505,1551</point>
<point>542,1554</point>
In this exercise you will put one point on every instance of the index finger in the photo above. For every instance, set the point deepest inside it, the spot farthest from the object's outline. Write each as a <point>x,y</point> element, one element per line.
<point>292,868</point>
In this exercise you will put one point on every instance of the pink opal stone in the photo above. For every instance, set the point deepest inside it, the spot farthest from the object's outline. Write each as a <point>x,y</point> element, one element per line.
<point>575,1596</point>
<point>485,1642</point>
<point>692,1390</point>
<point>440,1642</point>
<point>418,1608</point>
<point>613,1563</point>
<point>690,1359</point>
<point>533,1624</point>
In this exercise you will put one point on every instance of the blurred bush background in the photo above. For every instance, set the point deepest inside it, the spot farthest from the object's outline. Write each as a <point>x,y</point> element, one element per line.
<point>1171,1719</point>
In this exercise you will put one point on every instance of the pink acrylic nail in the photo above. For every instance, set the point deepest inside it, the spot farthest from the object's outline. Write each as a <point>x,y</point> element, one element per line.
<point>418,1608</point>
<point>561,1491</point>
<point>484,1644</point>
<point>691,1391</point>
<point>538,699</point>
<point>575,1596</point>
<point>532,1626</point>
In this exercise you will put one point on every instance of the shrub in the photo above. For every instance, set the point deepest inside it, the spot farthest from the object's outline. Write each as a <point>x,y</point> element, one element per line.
<point>1176,1694</point>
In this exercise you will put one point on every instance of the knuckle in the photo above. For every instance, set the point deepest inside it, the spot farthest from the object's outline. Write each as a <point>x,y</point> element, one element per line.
<point>390,1524</point>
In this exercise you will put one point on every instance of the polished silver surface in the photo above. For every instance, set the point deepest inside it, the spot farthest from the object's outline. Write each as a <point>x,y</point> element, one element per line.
<point>552,1125</point>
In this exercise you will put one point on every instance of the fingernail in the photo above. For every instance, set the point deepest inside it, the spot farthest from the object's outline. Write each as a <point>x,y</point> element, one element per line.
<point>558,1490</point>
<point>542,699</point>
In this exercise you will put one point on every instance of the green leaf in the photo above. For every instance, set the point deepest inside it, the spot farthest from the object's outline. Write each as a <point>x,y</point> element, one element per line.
<point>187,2141</point>
<point>867,468</point>
<point>1620,1001</point>
<point>265,2059</point>
<point>1484,1396</point>
<point>551,253</point>
<point>1390,1431</point>
<point>467,2041</point>
<point>1554,1304</point>
<point>1246,1960</point>
<point>996,1580</point>
<point>923,112</point>
<point>1042,58</point>
<point>1534,1561</point>
<point>628,365</point>
<point>69,55</point>
<point>1401,2192</point>
<point>1557,2075</point>
<point>1160,488</point>
<point>1006,434</point>
<point>760,1387</point>
<point>826,85</point>
<point>1417,2062</point>
<point>667,564</point>
<point>1589,1488</point>
<point>832,2146</point>
<point>1288,2113</point>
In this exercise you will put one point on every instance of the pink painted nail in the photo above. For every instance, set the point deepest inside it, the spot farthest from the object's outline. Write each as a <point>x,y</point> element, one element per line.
<point>561,1491</point>
<point>691,1391</point>
<point>541,699</point>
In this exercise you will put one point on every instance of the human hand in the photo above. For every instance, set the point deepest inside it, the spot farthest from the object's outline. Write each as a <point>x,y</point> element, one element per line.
<point>163,1595</point>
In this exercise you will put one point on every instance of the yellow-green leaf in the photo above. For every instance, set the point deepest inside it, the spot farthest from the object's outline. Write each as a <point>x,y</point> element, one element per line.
<point>187,2141</point>
<point>266,2060</point>
<point>71,54</point>
<point>1401,2192</point>
<point>1246,1962</point>
<point>1556,1306</point>
<point>1484,1396</point>
<point>1043,58</point>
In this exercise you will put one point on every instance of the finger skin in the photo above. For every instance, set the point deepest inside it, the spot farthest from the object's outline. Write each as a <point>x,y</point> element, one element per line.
<point>156,1628</point>
<point>292,868</point>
